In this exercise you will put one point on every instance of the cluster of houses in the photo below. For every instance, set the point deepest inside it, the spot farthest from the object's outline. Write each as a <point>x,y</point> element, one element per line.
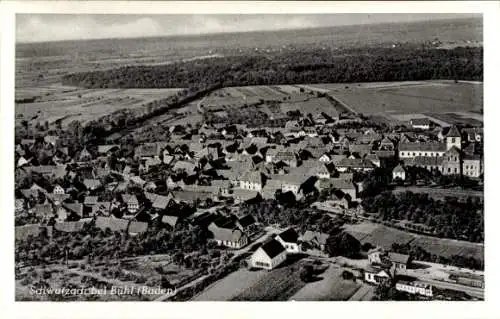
<point>390,267</point>
<point>224,165</point>
<point>452,153</point>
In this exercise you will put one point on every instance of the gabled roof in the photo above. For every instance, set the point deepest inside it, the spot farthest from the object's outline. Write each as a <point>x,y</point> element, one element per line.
<point>252,177</point>
<point>398,258</point>
<point>225,234</point>
<point>114,224</point>
<point>289,235</point>
<point>76,208</point>
<point>129,198</point>
<point>91,183</point>
<point>453,132</point>
<point>90,200</point>
<point>399,169</point>
<point>272,248</point>
<point>136,227</point>
<point>170,220</point>
<point>69,227</point>
<point>422,147</point>
<point>246,220</point>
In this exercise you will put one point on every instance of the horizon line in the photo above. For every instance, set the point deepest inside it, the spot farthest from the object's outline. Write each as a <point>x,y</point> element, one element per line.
<point>253,31</point>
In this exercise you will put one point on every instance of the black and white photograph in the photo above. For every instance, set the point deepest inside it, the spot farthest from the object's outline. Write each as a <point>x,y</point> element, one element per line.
<point>248,157</point>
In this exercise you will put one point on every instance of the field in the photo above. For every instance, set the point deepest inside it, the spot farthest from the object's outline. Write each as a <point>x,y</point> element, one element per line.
<point>415,97</point>
<point>68,103</point>
<point>330,287</point>
<point>278,284</point>
<point>380,235</point>
<point>231,286</point>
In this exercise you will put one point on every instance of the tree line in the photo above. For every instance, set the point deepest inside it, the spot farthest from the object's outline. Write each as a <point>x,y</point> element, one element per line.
<point>302,66</point>
<point>449,218</point>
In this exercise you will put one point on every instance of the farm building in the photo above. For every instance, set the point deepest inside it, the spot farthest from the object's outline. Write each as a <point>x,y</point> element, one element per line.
<point>289,239</point>
<point>229,237</point>
<point>400,261</point>
<point>268,256</point>
<point>376,275</point>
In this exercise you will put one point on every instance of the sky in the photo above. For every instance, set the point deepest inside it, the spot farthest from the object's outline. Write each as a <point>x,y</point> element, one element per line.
<point>55,27</point>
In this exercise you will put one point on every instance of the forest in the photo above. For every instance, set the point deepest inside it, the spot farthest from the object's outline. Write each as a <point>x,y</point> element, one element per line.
<point>312,65</point>
<point>449,218</point>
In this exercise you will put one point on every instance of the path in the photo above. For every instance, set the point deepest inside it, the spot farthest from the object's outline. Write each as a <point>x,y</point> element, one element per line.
<point>365,293</point>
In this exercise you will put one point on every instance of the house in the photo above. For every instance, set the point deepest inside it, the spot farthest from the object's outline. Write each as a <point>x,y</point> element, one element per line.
<point>421,123</point>
<point>430,149</point>
<point>376,275</point>
<point>246,224</point>
<point>325,158</point>
<point>58,190</point>
<point>90,200</point>
<point>474,134</point>
<point>268,256</point>
<point>131,202</point>
<point>170,220</point>
<point>399,172</point>
<point>252,180</point>
<point>85,155</point>
<point>289,239</point>
<point>452,163</point>
<point>376,256</point>
<point>287,157</point>
<point>313,239</point>
<point>229,237</point>
<point>343,184</point>
<point>414,287</point>
<point>91,184</point>
<point>386,144</point>
<point>399,261</point>
<point>111,223</point>
<point>472,165</point>
<point>356,164</point>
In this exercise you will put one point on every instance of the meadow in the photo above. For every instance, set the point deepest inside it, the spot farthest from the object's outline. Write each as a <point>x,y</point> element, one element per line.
<point>380,235</point>
<point>56,102</point>
<point>396,98</point>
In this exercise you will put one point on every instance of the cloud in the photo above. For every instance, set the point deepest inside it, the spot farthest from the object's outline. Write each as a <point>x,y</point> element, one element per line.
<point>50,27</point>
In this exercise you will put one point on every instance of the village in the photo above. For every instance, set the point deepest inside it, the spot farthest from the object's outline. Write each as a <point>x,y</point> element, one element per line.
<point>202,179</point>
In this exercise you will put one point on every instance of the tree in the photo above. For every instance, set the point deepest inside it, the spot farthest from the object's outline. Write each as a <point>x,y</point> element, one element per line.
<point>306,273</point>
<point>342,244</point>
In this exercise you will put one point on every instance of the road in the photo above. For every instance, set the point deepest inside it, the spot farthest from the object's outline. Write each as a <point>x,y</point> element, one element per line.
<point>237,253</point>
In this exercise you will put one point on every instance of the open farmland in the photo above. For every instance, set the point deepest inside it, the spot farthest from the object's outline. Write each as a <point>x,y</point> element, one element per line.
<point>313,106</point>
<point>384,236</point>
<point>61,102</point>
<point>231,286</point>
<point>407,97</point>
<point>330,287</point>
<point>278,284</point>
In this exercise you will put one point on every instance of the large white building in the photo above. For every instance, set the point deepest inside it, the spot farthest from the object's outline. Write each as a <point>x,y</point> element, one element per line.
<point>268,256</point>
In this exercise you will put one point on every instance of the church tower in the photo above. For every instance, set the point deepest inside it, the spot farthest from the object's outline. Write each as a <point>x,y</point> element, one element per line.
<point>453,138</point>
